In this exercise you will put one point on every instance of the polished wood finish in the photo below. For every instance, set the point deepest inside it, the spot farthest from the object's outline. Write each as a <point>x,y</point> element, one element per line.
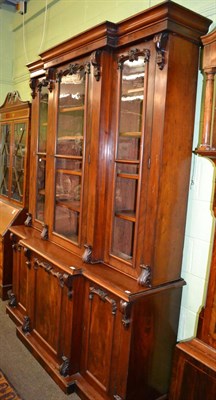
<point>97,284</point>
<point>14,172</point>
<point>194,371</point>
<point>194,368</point>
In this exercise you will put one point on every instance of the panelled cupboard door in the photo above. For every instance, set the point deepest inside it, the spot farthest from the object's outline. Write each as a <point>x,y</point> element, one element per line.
<point>18,296</point>
<point>127,346</point>
<point>50,314</point>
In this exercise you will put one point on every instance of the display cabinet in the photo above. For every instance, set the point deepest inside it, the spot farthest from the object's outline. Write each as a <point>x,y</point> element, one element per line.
<point>97,283</point>
<point>14,139</point>
<point>194,370</point>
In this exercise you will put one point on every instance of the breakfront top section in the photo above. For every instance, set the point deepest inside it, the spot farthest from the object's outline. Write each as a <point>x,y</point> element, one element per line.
<point>110,145</point>
<point>14,134</point>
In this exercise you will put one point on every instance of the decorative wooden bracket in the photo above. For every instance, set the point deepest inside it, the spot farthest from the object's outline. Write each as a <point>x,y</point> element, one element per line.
<point>133,55</point>
<point>145,277</point>
<point>95,61</point>
<point>65,366</point>
<point>104,297</point>
<point>26,326</point>
<point>125,309</point>
<point>87,255</point>
<point>27,254</point>
<point>44,233</point>
<point>64,279</point>
<point>28,221</point>
<point>12,299</point>
<point>33,87</point>
<point>160,41</point>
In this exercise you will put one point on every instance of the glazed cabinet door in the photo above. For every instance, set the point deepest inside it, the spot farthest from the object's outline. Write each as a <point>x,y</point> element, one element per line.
<point>133,74</point>
<point>13,161</point>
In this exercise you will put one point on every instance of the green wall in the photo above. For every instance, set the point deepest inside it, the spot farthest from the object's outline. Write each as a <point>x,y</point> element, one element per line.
<point>49,22</point>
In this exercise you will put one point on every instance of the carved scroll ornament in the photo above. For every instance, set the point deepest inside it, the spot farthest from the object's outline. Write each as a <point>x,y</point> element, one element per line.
<point>133,55</point>
<point>160,41</point>
<point>104,297</point>
<point>64,279</point>
<point>87,255</point>
<point>145,277</point>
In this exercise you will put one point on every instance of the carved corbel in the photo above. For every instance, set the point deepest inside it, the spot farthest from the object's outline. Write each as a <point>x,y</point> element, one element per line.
<point>44,233</point>
<point>33,87</point>
<point>160,41</point>
<point>27,254</point>
<point>26,326</point>
<point>145,277</point>
<point>28,221</point>
<point>50,79</point>
<point>104,297</point>
<point>64,368</point>
<point>95,61</point>
<point>12,299</point>
<point>87,255</point>
<point>125,309</point>
<point>13,240</point>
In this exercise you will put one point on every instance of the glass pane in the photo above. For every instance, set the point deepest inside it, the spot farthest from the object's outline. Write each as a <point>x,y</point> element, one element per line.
<point>122,244</point>
<point>125,196</point>
<point>41,175</point>
<point>18,161</point>
<point>43,118</point>
<point>4,159</point>
<point>67,223</point>
<point>131,109</point>
<point>68,193</point>
<point>71,114</point>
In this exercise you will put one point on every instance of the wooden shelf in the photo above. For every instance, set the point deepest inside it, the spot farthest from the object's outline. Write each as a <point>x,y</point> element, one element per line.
<point>130,134</point>
<point>68,171</point>
<point>68,138</point>
<point>71,109</point>
<point>62,201</point>
<point>126,214</point>
<point>127,175</point>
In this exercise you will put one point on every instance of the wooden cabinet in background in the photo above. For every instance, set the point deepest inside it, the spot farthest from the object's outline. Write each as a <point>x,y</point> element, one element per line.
<point>194,368</point>
<point>14,142</point>
<point>97,285</point>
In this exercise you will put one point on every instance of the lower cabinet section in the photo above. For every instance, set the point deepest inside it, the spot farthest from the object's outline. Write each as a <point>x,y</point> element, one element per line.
<point>194,372</point>
<point>101,339</point>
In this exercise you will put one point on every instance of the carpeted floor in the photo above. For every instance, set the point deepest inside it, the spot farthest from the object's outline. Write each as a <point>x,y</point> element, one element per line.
<point>26,375</point>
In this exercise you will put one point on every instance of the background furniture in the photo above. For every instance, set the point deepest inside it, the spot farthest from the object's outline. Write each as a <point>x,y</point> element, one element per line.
<point>14,139</point>
<point>194,370</point>
<point>96,282</point>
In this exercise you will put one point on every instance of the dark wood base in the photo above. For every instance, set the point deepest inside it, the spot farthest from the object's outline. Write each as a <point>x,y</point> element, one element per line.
<point>194,372</point>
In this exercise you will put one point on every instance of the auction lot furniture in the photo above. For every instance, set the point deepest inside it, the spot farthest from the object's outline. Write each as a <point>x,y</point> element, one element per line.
<point>96,283</point>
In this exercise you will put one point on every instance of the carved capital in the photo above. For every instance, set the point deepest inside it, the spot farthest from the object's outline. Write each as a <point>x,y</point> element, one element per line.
<point>33,87</point>
<point>27,253</point>
<point>160,41</point>
<point>145,277</point>
<point>95,61</point>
